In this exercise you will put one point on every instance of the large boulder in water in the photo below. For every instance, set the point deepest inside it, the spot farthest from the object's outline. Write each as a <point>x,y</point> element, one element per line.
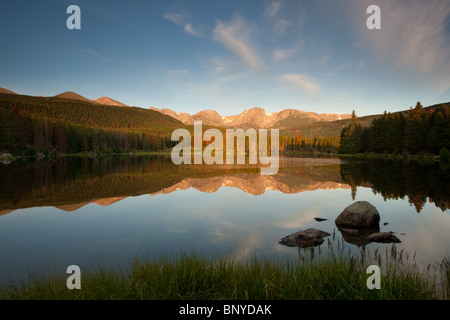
<point>360,214</point>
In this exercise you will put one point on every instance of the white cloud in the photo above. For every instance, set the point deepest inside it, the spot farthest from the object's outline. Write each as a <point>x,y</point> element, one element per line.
<point>180,20</point>
<point>301,82</point>
<point>217,64</point>
<point>188,28</point>
<point>413,38</point>
<point>235,36</point>
<point>272,9</point>
<point>282,54</point>
<point>279,24</point>
<point>176,18</point>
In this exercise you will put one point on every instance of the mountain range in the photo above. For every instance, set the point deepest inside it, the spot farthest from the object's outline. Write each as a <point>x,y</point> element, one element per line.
<point>251,118</point>
<point>289,121</point>
<point>6,91</point>
<point>103,100</point>
<point>75,96</point>
<point>254,118</point>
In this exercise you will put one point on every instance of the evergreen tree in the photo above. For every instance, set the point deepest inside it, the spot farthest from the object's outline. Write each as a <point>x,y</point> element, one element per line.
<point>439,132</point>
<point>416,127</point>
<point>351,136</point>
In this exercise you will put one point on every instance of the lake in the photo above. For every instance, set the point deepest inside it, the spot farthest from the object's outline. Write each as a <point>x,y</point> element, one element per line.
<point>104,212</point>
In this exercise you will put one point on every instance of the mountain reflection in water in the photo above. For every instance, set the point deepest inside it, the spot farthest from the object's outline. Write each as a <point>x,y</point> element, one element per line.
<point>71,183</point>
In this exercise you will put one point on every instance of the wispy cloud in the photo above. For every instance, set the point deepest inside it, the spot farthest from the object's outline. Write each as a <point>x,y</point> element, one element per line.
<point>180,19</point>
<point>279,23</point>
<point>235,36</point>
<point>176,18</point>
<point>280,27</point>
<point>188,28</point>
<point>177,72</point>
<point>217,64</point>
<point>282,54</point>
<point>272,9</point>
<point>413,37</point>
<point>94,54</point>
<point>302,82</point>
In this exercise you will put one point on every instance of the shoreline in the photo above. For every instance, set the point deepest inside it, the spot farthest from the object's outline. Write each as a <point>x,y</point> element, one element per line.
<point>194,277</point>
<point>427,157</point>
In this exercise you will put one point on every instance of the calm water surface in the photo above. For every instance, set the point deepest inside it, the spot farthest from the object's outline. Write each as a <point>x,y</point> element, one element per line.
<point>105,212</point>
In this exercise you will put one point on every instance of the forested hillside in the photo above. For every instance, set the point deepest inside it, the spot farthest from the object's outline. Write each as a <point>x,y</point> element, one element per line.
<point>30,126</point>
<point>36,124</point>
<point>414,131</point>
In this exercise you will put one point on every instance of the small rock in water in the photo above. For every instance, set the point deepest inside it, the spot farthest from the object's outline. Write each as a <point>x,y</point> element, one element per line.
<point>320,219</point>
<point>305,239</point>
<point>383,237</point>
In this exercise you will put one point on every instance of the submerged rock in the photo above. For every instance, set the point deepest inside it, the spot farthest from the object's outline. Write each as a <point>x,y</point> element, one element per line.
<point>358,236</point>
<point>305,239</point>
<point>383,237</point>
<point>360,214</point>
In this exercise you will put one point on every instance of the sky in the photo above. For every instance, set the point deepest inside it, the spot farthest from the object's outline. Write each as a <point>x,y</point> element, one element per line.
<point>230,56</point>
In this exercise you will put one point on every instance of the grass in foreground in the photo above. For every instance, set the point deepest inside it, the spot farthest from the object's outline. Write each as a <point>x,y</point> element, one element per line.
<point>193,277</point>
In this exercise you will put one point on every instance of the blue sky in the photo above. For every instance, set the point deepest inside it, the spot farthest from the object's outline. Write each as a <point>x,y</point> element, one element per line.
<point>231,55</point>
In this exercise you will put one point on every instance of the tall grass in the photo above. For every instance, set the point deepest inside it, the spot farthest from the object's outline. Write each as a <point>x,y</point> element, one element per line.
<point>333,274</point>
